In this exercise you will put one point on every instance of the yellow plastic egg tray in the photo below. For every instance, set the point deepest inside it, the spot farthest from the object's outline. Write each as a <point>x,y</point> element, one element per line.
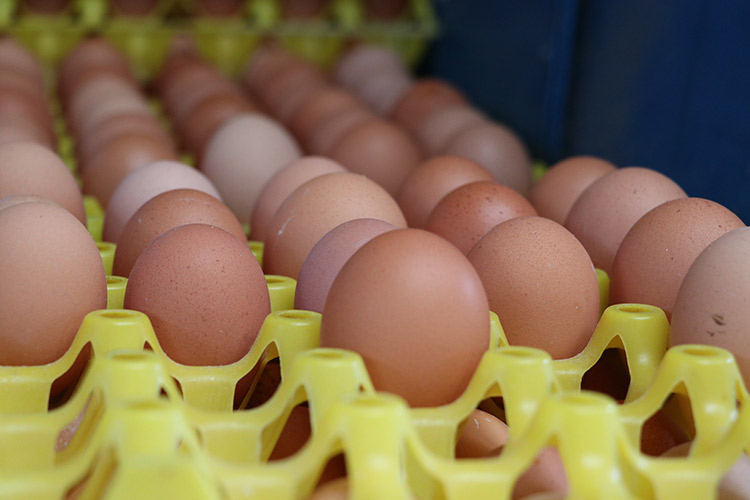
<point>153,428</point>
<point>227,42</point>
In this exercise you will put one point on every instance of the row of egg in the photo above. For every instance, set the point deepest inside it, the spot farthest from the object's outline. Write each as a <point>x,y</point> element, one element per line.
<point>434,292</point>
<point>290,9</point>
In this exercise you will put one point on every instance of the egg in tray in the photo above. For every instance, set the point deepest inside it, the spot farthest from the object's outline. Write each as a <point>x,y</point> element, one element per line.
<point>346,349</point>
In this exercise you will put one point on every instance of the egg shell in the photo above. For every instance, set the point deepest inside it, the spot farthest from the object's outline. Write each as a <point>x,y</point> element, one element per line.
<point>18,105</point>
<point>440,126</point>
<point>16,56</point>
<point>30,168</point>
<point>541,283</point>
<point>560,186</point>
<point>316,207</point>
<point>165,211</point>
<point>415,310</point>
<point>482,434</point>
<point>144,183</point>
<point>113,107</point>
<point>264,63</point>
<point>116,126</point>
<point>423,98</point>
<point>323,103</point>
<point>465,214</point>
<point>658,250</point>
<point>604,213</point>
<point>321,139</point>
<point>24,130</point>
<point>328,256</point>
<point>661,433</point>
<point>431,181</point>
<point>333,490</point>
<point>51,276</point>
<point>289,90</point>
<point>498,149</point>
<point>204,293</point>
<point>206,117</point>
<point>119,157</point>
<point>713,303</point>
<point>380,150</point>
<point>243,154</point>
<point>545,476</point>
<point>282,184</point>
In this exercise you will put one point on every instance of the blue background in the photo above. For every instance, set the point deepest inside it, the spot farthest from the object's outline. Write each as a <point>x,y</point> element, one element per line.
<point>655,83</point>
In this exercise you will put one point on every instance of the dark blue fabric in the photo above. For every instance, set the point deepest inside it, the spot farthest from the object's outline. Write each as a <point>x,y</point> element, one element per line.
<point>662,84</point>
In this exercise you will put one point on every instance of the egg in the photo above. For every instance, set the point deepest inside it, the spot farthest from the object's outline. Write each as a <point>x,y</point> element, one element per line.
<point>329,132</point>
<point>713,303</point>
<point>282,184</point>
<point>423,98</point>
<point>163,212</point>
<point>316,207</point>
<point>119,125</point>
<point>560,186</point>
<point>328,256</point>
<point>324,102</point>
<point>431,181</point>
<point>482,434</point>
<point>606,210</point>
<point>541,283</point>
<point>290,88</point>
<point>118,158</point>
<point>498,149</point>
<point>51,276</point>
<point>29,168</point>
<point>382,91</point>
<point>465,214</point>
<point>441,125</point>
<point>16,56</point>
<point>144,183</point>
<point>658,250</point>
<point>380,150</point>
<point>204,293</point>
<point>360,62</point>
<point>243,154</point>
<point>415,310</point>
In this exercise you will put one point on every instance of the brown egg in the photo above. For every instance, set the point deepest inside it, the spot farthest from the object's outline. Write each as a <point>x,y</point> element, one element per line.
<point>29,168</point>
<point>418,337</point>
<point>325,102</point>
<point>16,105</point>
<point>204,293</point>
<point>144,183</point>
<point>337,489</point>
<point>89,53</point>
<point>545,477</point>
<point>498,149</point>
<point>482,434</point>
<point>604,213</point>
<point>165,211</point>
<point>113,107</point>
<point>380,150</point>
<point>303,9</point>
<point>193,83</point>
<point>295,434</point>
<point>658,250</point>
<point>51,276</point>
<point>431,181</point>
<point>712,304</point>
<point>282,184</point>
<point>423,98</point>
<point>95,91</point>
<point>443,124</point>
<point>16,56</point>
<point>206,118</point>
<point>117,126</point>
<point>134,7</point>
<point>563,183</point>
<point>243,154</point>
<point>465,214</point>
<point>385,9</point>
<point>110,165</point>
<point>541,283</point>
<point>328,256</point>
<point>284,95</point>
<point>329,132</point>
<point>264,63</point>
<point>660,433</point>
<point>316,207</point>
<point>24,130</point>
